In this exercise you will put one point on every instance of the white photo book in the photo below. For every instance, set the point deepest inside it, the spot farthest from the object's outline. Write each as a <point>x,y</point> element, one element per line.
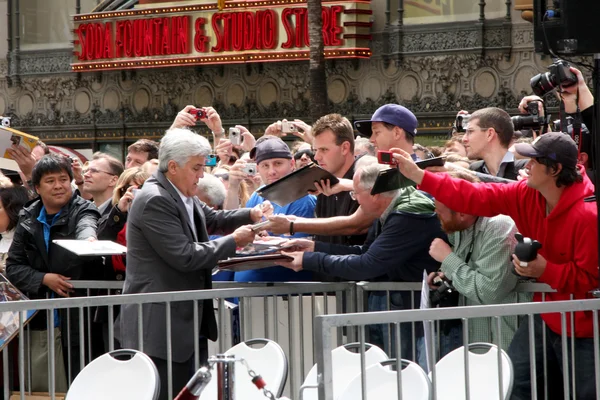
<point>97,248</point>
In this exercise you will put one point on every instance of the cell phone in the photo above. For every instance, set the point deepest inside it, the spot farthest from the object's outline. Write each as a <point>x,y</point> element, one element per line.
<point>288,127</point>
<point>250,169</point>
<point>198,113</point>
<point>211,160</point>
<point>235,136</point>
<point>385,157</point>
<point>431,162</point>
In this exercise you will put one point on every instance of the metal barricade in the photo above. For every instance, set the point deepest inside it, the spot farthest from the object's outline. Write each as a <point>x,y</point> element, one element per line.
<point>287,312</point>
<point>530,312</point>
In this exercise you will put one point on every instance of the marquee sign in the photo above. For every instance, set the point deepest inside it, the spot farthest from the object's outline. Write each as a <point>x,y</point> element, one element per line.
<point>200,34</point>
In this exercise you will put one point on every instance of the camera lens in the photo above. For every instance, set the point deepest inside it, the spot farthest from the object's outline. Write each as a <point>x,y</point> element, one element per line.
<point>542,84</point>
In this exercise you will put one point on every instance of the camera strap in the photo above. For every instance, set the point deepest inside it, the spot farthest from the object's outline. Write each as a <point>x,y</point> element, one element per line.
<point>576,131</point>
<point>472,245</point>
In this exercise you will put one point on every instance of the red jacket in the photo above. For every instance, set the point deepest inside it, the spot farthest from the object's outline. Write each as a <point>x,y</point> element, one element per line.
<point>569,234</point>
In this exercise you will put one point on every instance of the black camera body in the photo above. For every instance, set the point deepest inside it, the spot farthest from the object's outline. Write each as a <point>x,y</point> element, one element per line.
<point>559,74</point>
<point>532,120</point>
<point>526,249</point>
<point>444,290</point>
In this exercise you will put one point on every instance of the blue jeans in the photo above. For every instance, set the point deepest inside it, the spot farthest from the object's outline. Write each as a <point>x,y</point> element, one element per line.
<point>448,342</point>
<point>379,335</point>
<point>584,363</point>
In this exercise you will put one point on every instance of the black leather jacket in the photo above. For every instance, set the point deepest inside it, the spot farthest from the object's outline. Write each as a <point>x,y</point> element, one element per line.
<point>28,260</point>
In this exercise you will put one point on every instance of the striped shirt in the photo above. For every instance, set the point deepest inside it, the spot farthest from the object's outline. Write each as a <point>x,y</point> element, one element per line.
<point>488,277</point>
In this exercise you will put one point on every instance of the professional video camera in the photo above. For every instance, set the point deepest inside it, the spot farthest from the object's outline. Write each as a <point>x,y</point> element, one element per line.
<point>559,74</point>
<point>444,290</point>
<point>532,120</point>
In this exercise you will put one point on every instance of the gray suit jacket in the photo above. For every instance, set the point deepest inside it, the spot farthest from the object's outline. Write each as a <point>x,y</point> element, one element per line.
<point>162,256</point>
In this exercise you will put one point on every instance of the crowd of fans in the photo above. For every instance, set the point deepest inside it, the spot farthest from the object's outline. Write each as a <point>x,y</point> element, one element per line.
<point>178,216</point>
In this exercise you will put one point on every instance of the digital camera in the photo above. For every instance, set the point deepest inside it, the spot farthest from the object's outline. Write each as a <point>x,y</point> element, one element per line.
<point>559,74</point>
<point>532,120</point>
<point>198,113</point>
<point>526,249</point>
<point>444,290</point>
<point>460,124</point>
<point>250,169</point>
<point>288,127</point>
<point>385,157</point>
<point>5,121</point>
<point>235,136</point>
<point>211,160</point>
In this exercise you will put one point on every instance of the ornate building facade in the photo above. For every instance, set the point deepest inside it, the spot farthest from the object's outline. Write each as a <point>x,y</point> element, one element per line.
<point>480,58</point>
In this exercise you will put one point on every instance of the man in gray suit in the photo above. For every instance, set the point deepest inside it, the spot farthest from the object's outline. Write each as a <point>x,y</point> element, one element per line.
<point>168,250</point>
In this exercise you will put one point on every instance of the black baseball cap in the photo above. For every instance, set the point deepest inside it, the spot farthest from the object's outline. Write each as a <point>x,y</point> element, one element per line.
<point>271,148</point>
<point>556,146</point>
<point>393,114</point>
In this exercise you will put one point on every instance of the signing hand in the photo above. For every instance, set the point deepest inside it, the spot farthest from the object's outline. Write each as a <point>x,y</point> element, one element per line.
<point>531,269</point>
<point>243,235</point>
<point>58,284</point>
<point>264,209</point>
<point>296,263</point>
<point>407,166</point>
<point>439,250</point>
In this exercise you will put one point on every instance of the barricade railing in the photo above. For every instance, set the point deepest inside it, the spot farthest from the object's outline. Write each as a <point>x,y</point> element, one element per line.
<point>283,312</point>
<point>290,310</point>
<point>324,324</point>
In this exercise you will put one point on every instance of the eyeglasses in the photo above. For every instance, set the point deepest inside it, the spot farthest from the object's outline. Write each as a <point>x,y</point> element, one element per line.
<point>93,170</point>
<point>353,194</point>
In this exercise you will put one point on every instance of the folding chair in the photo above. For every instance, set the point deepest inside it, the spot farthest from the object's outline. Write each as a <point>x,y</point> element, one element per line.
<point>483,374</point>
<point>269,361</point>
<point>120,374</point>
<point>346,365</point>
<point>382,383</point>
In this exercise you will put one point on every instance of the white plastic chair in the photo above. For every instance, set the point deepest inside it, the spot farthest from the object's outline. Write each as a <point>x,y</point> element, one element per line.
<point>120,374</point>
<point>345,365</point>
<point>483,374</point>
<point>382,383</point>
<point>268,361</point>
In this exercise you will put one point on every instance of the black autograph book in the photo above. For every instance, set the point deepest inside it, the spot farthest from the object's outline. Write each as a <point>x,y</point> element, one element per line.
<point>392,179</point>
<point>296,185</point>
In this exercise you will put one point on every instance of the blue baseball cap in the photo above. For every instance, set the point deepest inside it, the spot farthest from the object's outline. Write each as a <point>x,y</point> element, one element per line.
<point>394,114</point>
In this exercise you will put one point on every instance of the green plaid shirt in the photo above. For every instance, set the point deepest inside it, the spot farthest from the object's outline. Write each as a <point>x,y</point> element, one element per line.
<point>487,278</point>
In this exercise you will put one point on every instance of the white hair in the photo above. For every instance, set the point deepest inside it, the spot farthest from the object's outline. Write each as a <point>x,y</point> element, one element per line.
<point>213,189</point>
<point>368,175</point>
<point>179,145</point>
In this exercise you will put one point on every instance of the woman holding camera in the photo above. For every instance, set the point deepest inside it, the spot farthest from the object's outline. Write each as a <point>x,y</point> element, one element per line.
<point>113,226</point>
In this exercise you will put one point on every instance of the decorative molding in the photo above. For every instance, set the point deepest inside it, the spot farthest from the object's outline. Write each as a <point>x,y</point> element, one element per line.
<point>42,62</point>
<point>447,71</point>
